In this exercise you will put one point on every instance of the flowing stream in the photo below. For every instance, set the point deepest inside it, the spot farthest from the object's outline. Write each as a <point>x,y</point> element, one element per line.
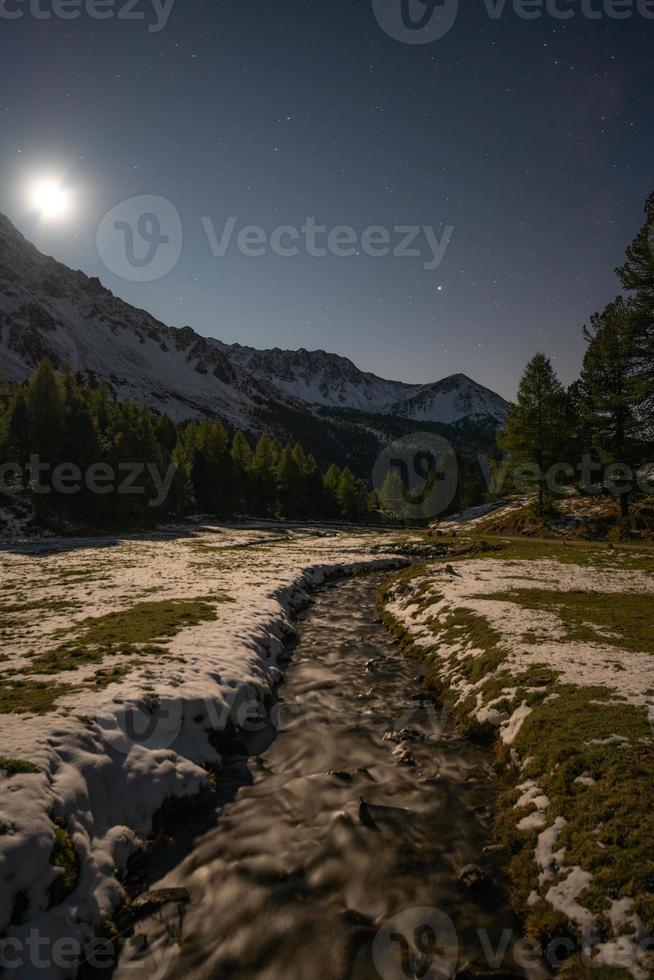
<point>337,849</point>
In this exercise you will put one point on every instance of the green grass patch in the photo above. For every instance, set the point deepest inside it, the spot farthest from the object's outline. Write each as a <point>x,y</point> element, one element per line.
<point>13,767</point>
<point>610,825</point>
<point>63,856</point>
<point>623,557</point>
<point>30,697</point>
<point>140,630</point>
<point>621,619</point>
<point>37,605</point>
<point>10,610</point>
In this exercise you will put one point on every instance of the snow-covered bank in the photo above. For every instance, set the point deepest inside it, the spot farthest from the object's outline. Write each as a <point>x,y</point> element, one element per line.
<point>127,729</point>
<point>555,658</point>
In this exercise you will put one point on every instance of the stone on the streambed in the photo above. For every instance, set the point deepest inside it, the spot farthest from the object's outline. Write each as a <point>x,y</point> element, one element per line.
<point>403,735</point>
<point>341,774</point>
<point>403,756</point>
<point>160,896</point>
<point>472,876</point>
<point>365,816</point>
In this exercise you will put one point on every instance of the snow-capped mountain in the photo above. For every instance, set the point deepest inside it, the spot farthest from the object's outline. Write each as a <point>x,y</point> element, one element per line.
<point>452,400</point>
<point>318,378</point>
<point>47,309</point>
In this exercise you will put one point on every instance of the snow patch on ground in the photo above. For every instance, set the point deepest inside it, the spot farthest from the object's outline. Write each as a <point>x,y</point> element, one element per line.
<point>100,778</point>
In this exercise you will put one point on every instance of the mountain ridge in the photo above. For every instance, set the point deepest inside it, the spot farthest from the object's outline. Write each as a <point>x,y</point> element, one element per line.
<point>48,309</point>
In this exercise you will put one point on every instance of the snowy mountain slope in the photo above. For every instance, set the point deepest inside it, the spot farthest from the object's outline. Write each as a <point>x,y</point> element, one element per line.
<point>451,400</point>
<point>47,309</point>
<point>319,378</point>
<point>330,381</point>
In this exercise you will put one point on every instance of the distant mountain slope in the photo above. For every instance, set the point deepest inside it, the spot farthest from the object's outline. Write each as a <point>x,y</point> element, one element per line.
<point>330,381</point>
<point>319,378</point>
<point>452,400</point>
<point>47,309</point>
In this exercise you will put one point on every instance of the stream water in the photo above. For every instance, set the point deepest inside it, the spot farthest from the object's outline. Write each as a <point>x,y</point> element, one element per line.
<point>338,848</point>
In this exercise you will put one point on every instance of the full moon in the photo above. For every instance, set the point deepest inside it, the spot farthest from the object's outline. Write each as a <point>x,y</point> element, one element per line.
<point>50,199</point>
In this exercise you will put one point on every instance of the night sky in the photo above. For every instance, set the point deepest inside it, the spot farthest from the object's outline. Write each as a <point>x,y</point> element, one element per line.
<point>534,139</point>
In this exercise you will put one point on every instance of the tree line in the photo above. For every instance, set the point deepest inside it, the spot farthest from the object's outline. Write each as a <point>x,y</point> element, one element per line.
<point>604,421</point>
<point>58,423</point>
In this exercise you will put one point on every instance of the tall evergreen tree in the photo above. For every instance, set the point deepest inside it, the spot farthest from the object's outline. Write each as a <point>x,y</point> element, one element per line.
<point>80,446</point>
<point>313,487</point>
<point>609,391</point>
<point>17,440</point>
<point>288,482</point>
<point>166,433</point>
<point>242,466</point>
<point>45,411</point>
<point>207,444</point>
<point>392,495</point>
<point>535,427</point>
<point>331,484</point>
<point>637,277</point>
<point>263,477</point>
<point>352,496</point>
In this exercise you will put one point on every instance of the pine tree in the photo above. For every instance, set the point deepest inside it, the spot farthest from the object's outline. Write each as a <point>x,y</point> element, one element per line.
<point>45,414</point>
<point>17,441</point>
<point>81,447</point>
<point>166,433</point>
<point>608,391</point>
<point>535,428</point>
<point>352,496</point>
<point>331,484</point>
<point>242,467</point>
<point>207,444</point>
<point>313,486</point>
<point>181,499</point>
<point>637,277</point>
<point>392,495</point>
<point>263,477</point>
<point>288,482</point>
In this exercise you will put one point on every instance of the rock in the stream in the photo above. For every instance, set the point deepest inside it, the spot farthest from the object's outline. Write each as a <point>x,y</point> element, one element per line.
<point>472,876</point>
<point>345,777</point>
<point>403,735</point>
<point>149,901</point>
<point>365,816</point>
<point>403,756</point>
